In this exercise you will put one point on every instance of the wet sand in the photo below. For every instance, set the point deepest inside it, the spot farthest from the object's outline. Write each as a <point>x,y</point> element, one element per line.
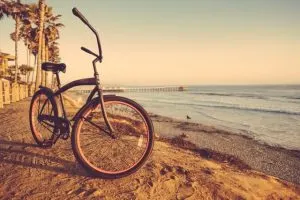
<point>172,172</point>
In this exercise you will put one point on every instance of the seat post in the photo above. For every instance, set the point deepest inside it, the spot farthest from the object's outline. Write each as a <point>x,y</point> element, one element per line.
<point>58,80</point>
<point>60,95</point>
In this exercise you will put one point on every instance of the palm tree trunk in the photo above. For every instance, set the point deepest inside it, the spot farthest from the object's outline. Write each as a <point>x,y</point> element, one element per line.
<point>16,46</point>
<point>35,65</point>
<point>28,75</point>
<point>43,60</point>
<point>38,72</point>
<point>29,63</point>
<point>52,81</point>
<point>46,60</point>
<point>27,54</point>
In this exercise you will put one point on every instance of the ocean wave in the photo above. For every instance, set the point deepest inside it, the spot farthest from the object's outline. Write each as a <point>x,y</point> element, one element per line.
<point>230,95</point>
<point>226,106</point>
<point>184,103</point>
<point>220,120</point>
<point>254,109</point>
<point>296,98</point>
<point>289,99</point>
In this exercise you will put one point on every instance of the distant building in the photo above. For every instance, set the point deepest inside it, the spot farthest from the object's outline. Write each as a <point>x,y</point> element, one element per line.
<point>4,59</point>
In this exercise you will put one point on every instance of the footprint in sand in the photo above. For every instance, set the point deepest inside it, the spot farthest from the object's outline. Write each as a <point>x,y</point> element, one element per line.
<point>166,169</point>
<point>185,191</point>
<point>175,180</point>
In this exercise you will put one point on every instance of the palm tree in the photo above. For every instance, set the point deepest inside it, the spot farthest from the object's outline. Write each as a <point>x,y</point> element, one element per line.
<point>51,34</point>
<point>41,28</point>
<point>54,53</point>
<point>26,70</point>
<point>54,57</point>
<point>25,30</point>
<point>17,11</point>
<point>30,30</point>
<point>4,8</point>
<point>30,33</point>
<point>31,42</point>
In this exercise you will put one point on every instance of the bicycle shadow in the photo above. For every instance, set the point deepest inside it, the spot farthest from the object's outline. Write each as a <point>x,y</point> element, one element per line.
<point>17,153</point>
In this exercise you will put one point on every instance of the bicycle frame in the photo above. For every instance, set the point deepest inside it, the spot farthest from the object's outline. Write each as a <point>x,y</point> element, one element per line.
<point>62,122</point>
<point>81,82</point>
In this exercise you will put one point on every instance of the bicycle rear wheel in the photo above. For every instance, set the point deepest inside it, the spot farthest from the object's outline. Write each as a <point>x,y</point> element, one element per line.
<point>113,157</point>
<point>42,115</point>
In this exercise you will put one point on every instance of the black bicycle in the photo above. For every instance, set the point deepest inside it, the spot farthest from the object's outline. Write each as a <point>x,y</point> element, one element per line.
<point>111,136</point>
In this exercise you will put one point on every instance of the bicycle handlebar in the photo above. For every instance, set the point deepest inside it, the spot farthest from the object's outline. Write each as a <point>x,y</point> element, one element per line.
<point>80,16</point>
<point>85,21</point>
<point>89,51</point>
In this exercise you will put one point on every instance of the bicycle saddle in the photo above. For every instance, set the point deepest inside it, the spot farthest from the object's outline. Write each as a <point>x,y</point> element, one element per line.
<point>47,66</point>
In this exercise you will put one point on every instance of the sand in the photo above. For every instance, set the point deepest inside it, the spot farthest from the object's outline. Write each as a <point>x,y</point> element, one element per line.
<point>29,172</point>
<point>275,161</point>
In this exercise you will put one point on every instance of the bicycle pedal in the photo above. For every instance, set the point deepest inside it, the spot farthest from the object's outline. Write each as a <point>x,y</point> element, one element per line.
<point>47,143</point>
<point>64,136</point>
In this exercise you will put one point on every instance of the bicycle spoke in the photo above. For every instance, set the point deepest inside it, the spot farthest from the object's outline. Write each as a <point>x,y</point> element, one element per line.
<point>53,126</point>
<point>92,123</point>
<point>43,106</point>
<point>131,149</point>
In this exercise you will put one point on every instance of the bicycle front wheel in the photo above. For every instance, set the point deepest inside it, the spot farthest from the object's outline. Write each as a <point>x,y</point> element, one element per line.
<point>114,156</point>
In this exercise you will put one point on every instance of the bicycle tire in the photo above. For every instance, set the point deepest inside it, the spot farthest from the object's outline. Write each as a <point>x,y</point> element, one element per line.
<point>133,129</point>
<point>42,137</point>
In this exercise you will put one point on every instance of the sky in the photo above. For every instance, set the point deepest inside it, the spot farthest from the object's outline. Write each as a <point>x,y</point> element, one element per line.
<point>172,42</point>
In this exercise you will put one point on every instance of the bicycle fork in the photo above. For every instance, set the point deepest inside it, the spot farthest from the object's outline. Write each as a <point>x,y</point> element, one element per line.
<point>100,93</point>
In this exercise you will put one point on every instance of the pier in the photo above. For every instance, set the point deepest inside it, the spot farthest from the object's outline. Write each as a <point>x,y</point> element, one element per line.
<point>134,89</point>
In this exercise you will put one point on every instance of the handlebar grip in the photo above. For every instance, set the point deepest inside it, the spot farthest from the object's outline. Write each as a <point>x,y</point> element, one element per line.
<point>90,52</point>
<point>80,16</point>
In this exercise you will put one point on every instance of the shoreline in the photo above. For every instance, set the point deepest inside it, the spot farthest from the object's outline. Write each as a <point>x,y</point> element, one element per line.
<point>221,129</point>
<point>272,160</point>
<point>190,126</point>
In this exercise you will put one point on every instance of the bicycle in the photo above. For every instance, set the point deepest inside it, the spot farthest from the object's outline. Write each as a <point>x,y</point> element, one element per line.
<point>111,136</point>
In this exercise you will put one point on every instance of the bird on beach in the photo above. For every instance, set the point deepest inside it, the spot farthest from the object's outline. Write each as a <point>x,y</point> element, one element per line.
<point>188,117</point>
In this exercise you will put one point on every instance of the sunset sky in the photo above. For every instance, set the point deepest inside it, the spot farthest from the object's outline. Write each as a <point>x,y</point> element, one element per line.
<point>168,42</point>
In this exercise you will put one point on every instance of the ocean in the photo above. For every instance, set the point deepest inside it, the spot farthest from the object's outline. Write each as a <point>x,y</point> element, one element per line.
<point>267,113</point>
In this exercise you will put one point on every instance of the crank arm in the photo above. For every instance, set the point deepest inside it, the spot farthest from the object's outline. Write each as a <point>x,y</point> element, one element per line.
<point>43,117</point>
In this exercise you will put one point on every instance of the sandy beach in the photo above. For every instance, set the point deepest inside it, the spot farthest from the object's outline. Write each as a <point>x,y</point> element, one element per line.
<point>219,80</point>
<point>272,160</point>
<point>189,161</point>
